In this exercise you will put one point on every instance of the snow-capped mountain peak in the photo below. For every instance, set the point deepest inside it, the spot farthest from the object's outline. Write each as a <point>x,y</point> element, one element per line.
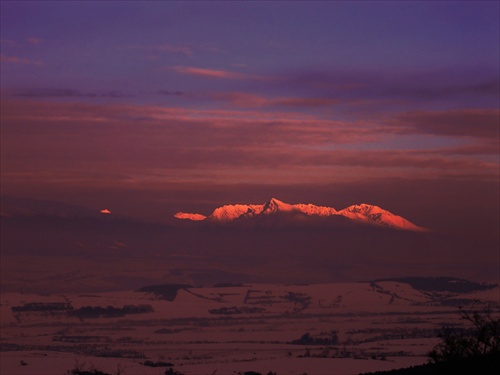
<point>374,214</point>
<point>274,205</point>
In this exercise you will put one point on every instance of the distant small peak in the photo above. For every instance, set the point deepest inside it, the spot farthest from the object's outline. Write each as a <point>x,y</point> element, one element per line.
<point>189,216</point>
<point>105,211</point>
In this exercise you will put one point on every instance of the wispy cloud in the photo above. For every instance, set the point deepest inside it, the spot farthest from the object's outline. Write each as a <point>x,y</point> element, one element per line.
<point>167,48</point>
<point>64,93</point>
<point>242,99</point>
<point>7,42</point>
<point>170,93</point>
<point>19,60</point>
<point>34,40</point>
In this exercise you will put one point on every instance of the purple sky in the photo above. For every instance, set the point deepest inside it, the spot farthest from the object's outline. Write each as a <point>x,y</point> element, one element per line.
<point>152,107</point>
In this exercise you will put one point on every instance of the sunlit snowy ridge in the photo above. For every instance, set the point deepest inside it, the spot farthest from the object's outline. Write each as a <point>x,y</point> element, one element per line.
<point>364,213</point>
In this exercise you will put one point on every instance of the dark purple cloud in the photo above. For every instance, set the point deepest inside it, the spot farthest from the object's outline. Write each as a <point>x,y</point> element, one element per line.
<point>170,93</point>
<point>430,91</point>
<point>408,87</point>
<point>477,123</point>
<point>488,146</point>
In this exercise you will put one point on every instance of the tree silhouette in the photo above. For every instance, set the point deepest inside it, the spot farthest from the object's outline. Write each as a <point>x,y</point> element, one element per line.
<point>481,339</point>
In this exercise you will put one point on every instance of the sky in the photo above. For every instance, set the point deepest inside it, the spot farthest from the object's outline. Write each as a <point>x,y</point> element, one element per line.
<point>149,108</point>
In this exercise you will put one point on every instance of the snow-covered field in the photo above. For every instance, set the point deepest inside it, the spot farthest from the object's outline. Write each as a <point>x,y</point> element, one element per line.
<point>341,328</point>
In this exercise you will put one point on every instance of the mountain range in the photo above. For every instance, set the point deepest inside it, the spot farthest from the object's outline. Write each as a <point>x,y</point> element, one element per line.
<point>45,242</point>
<point>362,213</point>
<point>272,212</point>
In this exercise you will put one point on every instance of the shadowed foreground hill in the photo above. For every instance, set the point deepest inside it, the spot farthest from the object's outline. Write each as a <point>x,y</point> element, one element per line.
<point>485,365</point>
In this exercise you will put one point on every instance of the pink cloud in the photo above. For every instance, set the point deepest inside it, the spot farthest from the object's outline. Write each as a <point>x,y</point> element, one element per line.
<point>211,73</point>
